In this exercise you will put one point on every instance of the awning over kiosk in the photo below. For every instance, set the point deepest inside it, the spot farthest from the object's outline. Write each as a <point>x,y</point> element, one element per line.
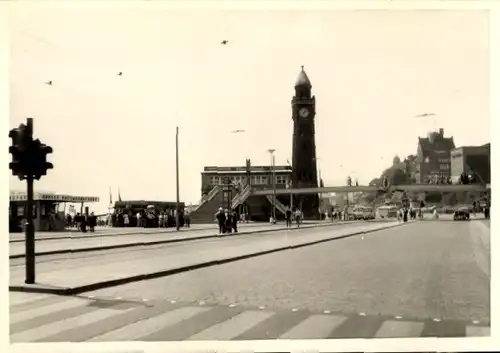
<point>49,196</point>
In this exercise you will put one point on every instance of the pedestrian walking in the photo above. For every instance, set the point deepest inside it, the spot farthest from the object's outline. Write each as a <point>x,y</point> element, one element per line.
<point>234,221</point>
<point>288,217</point>
<point>92,222</point>
<point>221,219</point>
<point>228,224</point>
<point>126,220</point>
<point>298,217</point>
<point>138,219</point>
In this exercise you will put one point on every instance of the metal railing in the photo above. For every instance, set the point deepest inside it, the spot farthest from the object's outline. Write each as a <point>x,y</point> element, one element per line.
<point>279,205</point>
<point>241,196</point>
<point>207,197</point>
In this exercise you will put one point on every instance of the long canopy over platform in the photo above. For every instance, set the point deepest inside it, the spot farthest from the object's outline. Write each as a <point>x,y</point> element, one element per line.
<point>51,196</point>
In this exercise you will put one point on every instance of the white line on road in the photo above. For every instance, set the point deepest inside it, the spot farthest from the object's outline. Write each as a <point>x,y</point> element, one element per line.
<point>314,327</point>
<point>477,331</point>
<point>16,298</point>
<point>400,329</point>
<point>149,326</point>
<point>233,327</point>
<point>43,331</point>
<point>48,309</point>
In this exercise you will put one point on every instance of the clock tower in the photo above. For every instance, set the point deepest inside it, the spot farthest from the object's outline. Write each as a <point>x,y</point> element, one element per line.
<point>304,169</point>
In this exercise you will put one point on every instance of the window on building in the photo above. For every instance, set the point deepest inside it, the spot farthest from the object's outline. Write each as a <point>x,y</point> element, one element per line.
<point>444,166</point>
<point>281,179</point>
<point>212,180</point>
<point>263,180</point>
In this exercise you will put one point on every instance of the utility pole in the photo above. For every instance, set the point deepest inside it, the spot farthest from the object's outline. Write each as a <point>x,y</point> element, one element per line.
<point>271,152</point>
<point>177,204</point>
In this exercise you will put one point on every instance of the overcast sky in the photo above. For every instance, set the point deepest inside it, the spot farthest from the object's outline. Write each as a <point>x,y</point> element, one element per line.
<point>371,72</point>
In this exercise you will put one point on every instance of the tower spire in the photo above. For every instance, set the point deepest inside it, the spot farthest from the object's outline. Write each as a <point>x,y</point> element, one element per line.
<point>302,79</point>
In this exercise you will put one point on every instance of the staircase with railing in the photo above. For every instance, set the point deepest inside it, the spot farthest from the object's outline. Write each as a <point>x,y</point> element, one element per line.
<point>241,197</point>
<point>204,212</point>
<point>207,197</point>
<point>279,205</point>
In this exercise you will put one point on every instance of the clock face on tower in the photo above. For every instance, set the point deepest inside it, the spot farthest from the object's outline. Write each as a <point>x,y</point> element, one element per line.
<point>304,112</point>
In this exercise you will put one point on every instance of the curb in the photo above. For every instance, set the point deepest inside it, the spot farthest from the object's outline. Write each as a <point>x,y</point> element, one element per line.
<point>159,242</point>
<point>165,273</point>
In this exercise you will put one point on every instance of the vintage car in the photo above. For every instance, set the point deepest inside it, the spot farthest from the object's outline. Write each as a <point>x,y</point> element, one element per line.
<point>461,213</point>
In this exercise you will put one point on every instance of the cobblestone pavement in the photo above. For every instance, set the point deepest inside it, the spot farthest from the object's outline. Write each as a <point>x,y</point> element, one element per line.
<point>424,279</point>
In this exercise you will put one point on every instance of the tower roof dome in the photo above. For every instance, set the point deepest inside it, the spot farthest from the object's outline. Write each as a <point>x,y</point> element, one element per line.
<point>302,79</point>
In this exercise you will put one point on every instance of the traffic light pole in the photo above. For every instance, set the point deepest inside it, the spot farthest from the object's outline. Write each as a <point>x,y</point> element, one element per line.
<point>30,235</point>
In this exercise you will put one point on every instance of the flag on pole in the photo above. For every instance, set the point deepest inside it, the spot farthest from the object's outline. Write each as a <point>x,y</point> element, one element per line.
<point>119,196</point>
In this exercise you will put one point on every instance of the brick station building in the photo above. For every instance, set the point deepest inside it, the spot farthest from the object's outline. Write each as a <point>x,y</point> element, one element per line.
<point>260,176</point>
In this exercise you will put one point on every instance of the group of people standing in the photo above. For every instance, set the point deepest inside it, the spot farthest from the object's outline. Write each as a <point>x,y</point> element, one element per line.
<point>227,221</point>
<point>298,216</point>
<point>81,222</point>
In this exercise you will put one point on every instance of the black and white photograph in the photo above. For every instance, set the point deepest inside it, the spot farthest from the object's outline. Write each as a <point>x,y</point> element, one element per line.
<point>200,174</point>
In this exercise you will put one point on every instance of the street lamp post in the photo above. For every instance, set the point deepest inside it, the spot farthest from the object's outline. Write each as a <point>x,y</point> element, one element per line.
<point>177,204</point>
<point>271,153</point>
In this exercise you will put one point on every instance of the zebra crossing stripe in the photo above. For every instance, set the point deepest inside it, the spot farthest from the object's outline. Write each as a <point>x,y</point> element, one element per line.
<point>47,309</point>
<point>151,325</point>
<point>40,332</point>
<point>19,298</point>
<point>395,329</point>
<point>477,331</point>
<point>314,327</point>
<point>233,327</point>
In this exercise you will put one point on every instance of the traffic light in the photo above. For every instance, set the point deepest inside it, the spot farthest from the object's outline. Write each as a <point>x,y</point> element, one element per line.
<point>29,158</point>
<point>39,159</point>
<point>22,138</point>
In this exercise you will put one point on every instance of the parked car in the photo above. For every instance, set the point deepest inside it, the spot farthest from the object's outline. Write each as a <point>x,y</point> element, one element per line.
<point>368,213</point>
<point>461,213</point>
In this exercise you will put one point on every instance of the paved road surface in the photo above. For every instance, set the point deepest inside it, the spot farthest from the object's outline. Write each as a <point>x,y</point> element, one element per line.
<point>98,266</point>
<point>423,279</point>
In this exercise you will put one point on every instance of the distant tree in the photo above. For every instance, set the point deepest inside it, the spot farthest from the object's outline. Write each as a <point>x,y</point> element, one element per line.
<point>374,182</point>
<point>396,161</point>
<point>399,177</point>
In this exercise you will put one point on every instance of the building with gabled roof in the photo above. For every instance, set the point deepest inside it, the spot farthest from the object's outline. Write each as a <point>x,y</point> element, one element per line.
<point>433,162</point>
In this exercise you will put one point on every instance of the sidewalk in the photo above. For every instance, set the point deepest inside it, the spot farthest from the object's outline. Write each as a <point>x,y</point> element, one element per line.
<point>110,231</point>
<point>66,246</point>
<point>117,269</point>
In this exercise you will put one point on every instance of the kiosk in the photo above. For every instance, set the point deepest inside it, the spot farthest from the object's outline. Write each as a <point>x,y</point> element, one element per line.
<point>46,213</point>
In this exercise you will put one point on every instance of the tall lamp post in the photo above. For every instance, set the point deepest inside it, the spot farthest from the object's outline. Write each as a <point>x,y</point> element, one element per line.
<point>177,203</point>
<point>290,186</point>
<point>271,153</point>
